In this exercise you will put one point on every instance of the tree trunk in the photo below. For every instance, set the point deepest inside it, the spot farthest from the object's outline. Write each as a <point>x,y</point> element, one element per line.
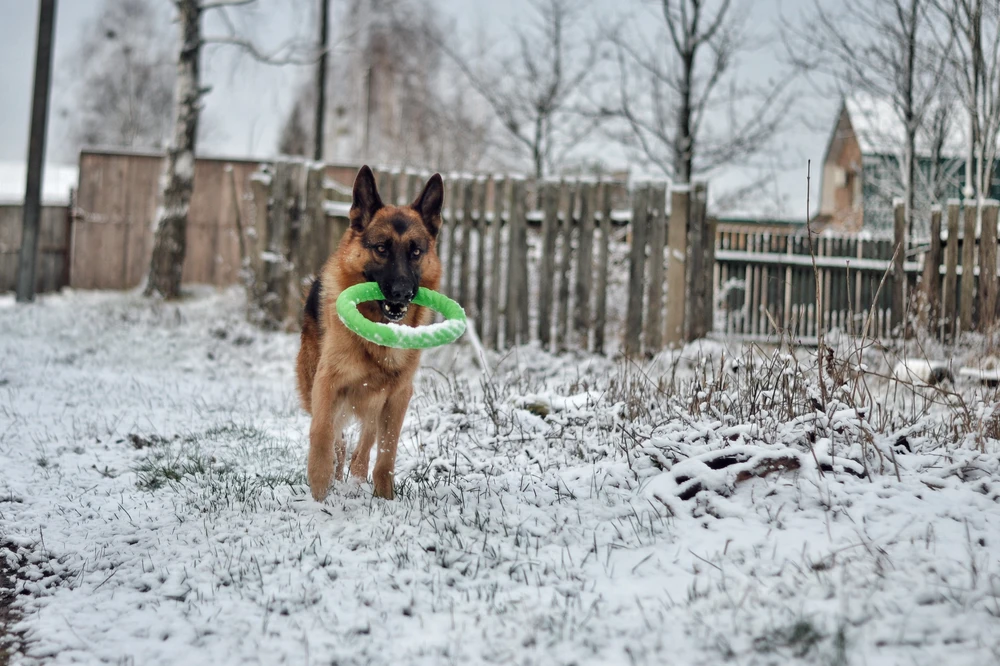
<point>324,41</point>
<point>169,245</point>
<point>909,119</point>
<point>683,141</point>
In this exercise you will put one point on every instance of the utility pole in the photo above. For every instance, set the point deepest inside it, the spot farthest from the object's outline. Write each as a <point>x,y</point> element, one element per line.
<point>324,44</point>
<point>36,152</point>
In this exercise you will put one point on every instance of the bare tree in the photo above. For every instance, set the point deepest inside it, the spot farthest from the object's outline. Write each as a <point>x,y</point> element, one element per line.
<point>121,78</point>
<point>169,245</point>
<point>536,91</point>
<point>297,136</point>
<point>977,69</point>
<point>394,99</point>
<point>894,51</point>
<point>672,86</point>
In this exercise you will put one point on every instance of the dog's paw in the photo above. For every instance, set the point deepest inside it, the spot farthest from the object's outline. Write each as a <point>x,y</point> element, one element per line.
<point>383,486</point>
<point>319,490</point>
<point>319,481</point>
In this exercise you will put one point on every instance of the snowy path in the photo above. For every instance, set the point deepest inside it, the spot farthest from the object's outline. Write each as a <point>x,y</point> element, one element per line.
<point>152,499</point>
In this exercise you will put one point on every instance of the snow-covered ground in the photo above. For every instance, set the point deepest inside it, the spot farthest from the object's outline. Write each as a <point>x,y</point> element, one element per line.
<point>562,510</point>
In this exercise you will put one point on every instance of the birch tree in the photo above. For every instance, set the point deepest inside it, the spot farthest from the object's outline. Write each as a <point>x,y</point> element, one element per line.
<point>169,244</point>
<point>894,51</point>
<point>976,61</point>
<point>672,86</point>
<point>536,91</point>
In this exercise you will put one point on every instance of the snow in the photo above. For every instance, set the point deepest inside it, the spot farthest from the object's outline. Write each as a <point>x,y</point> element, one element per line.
<point>420,336</point>
<point>879,128</point>
<point>57,181</point>
<point>154,506</point>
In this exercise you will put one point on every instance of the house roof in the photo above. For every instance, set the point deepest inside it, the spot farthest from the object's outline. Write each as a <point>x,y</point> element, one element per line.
<point>879,128</point>
<point>57,181</point>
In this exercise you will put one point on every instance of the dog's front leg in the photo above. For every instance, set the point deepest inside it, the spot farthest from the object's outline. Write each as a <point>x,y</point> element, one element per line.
<point>392,423</point>
<point>326,439</point>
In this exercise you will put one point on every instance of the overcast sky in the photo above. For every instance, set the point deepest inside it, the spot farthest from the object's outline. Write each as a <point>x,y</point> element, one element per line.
<point>248,102</point>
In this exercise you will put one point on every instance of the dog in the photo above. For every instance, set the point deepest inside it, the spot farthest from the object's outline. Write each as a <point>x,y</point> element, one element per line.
<point>342,376</point>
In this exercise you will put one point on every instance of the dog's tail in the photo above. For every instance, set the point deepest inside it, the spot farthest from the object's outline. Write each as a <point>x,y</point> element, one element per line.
<point>309,349</point>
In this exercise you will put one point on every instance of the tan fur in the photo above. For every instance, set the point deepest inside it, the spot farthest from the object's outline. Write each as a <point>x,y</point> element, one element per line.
<point>341,376</point>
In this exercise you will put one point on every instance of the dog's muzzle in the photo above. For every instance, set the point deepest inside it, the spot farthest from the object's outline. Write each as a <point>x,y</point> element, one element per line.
<point>394,311</point>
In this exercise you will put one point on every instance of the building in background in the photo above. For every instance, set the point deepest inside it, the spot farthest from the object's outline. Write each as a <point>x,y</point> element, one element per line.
<point>863,166</point>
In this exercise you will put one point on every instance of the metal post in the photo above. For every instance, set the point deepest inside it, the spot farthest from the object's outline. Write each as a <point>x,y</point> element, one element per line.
<point>36,152</point>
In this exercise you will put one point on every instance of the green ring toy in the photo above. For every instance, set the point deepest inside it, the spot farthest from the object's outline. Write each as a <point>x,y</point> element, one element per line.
<point>398,335</point>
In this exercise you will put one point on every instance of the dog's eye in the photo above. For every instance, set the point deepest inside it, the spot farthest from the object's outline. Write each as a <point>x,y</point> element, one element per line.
<point>380,248</point>
<point>415,252</point>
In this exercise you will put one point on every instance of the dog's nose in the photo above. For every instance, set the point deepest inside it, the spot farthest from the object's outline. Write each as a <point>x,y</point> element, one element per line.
<point>401,292</point>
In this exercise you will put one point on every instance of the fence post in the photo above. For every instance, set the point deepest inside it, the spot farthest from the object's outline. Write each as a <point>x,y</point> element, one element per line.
<point>898,275</point>
<point>950,286</point>
<point>637,266</point>
<point>710,226</point>
<point>694,315</point>
<point>677,239</point>
<point>988,266</point>
<point>967,300</point>
<point>483,184</point>
<point>516,327</point>
<point>565,265</point>
<point>930,280</point>
<point>271,286</point>
<point>464,275</point>
<point>584,265</point>
<point>412,186</point>
<point>601,302</point>
<point>657,239</point>
<point>492,330</point>
<point>453,188</point>
<point>314,232</point>
<point>550,225</point>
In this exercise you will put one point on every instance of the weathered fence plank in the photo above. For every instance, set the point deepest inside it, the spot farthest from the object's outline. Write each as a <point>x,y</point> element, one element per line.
<point>899,256</point>
<point>500,196</point>
<point>697,275</point>
<point>677,242</point>
<point>968,293</point>
<point>481,233</point>
<point>453,189</point>
<point>930,280</point>
<point>601,302</point>
<point>637,267</point>
<point>516,323</point>
<point>988,266</point>
<point>465,276</point>
<point>657,240</point>
<point>565,263</point>
<point>550,226</point>
<point>584,266</point>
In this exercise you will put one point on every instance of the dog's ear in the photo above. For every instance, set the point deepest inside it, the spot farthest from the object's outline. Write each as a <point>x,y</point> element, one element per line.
<point>366,200</point>
<point>428,203</point>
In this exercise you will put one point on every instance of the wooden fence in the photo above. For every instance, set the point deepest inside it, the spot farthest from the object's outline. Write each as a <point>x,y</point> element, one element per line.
<point>524,274</point>
<point>52,266</point>
<point>115,210</point>
<point>767,281</point>
<point>569,264</point>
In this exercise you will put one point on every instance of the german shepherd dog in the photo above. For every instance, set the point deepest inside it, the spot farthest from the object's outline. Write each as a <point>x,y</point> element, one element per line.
<point>341,375</point>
